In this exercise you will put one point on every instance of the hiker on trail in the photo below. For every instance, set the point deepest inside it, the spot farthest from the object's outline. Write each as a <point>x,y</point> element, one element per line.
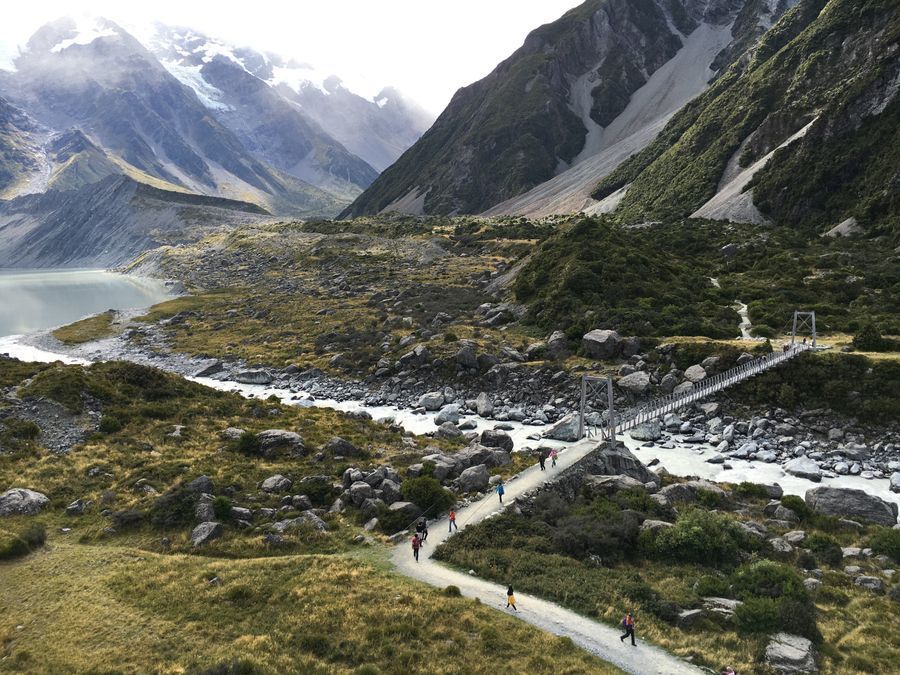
<point>500,491</point>
<point>542,457</point>
<point>416,545</point>
<point>729,671</point>
<point>553,454</point>
<point>424,529</point>
<point>628,625</point>
<point>510,598</point>
<point>421,531</point>
<point>453,520</point>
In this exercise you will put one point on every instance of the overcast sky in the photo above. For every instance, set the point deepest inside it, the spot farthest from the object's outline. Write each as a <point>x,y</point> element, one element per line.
<point>426,48</point>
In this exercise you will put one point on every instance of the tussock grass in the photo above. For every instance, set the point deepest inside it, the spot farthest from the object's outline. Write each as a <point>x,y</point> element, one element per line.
<point>86,330</point>
<point>92,609</point>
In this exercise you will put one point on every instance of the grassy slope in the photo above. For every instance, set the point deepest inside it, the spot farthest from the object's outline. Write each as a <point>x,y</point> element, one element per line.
<point>127,610</point>
<point>86,330</point>
<point>804,66</point>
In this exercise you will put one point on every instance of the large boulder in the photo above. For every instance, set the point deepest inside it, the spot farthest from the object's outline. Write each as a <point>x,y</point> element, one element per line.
<point>273,440</point>
<point>474,479</point>
<point>432,400</point>
<point>649,431</point>
<point>494,438</point>
<point>22,502</point>
<point>620,461</point>
<point>305,519</point>
<point>608,485</point>
<point>601,344</point>
<point>804,467</point>
<point>695,373</point>
<point>254,376</point>
<point>409,510</point>
<point>339,447</point>
<point>681,493</point>
<point>787,653</point>
<point>564,430</point>
<point>636,383</point>
<point>557,345</point>
<point>484,406</point>
<point>202,484</point>
<point>205,532</point>
<point>448,430</point>
<point>360,491</point>
<point>276,483</point>
<point>895,481</point>
<point>849,502</point>
<point>449,413</point>
<point>466,355</point>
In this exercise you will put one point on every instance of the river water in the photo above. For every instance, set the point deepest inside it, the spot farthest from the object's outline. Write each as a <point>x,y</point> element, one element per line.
<point>38,300</point>
<point>35,300</point>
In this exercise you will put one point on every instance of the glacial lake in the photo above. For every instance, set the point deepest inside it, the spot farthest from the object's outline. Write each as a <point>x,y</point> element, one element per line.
<point>39,299</point>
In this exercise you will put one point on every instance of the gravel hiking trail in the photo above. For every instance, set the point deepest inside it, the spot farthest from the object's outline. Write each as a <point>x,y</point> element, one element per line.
<point>597,638</point>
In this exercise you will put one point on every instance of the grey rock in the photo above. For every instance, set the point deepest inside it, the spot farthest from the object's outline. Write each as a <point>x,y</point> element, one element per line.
<point>474,479</point>
<point>557,345</point>
<point>683,388</point>
<point>564,430</point>
<point>812,584</point>
<point>688,492</point>
<point>636,383</point>
<point>339,447</point>
<point>449,413</point>
<point>272,440</point>
<point>649,431</point>
<point>78,507</point>
<point>390,492</point>
<point>621,461</point>
<point>240,513</point>
<point>782,512</point>
<point>601,344</point>
<point>780,545</point>
<point>202,484</point>
<point>493,438</point>
<point>483,405</point>
<point>448,430</point>
<point>831,501</point>
<point>668,383</point>
<point>688,617</point>
<point>795,537</point>
<point>895,481</point>
<point>789,654</point>
<point>407,509</point>
<point>655,525</point>
<point>276,483</point>
<point>205,533</point>
<point>22,502</point>
<point>608,485</point>
<point>872,583</point>
<point>432,400</point>
<point>305,519</point>
<point>231,434</point>
<point>722,608</point>
<point>361,491</point>
<point>695,373</point>
<point>466,356</point>
<point>255,376</point>
<point>804,467</point>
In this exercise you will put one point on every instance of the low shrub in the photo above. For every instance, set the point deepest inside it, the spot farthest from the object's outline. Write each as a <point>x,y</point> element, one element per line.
<point>248,444</point>
<point>886,542</point>
<point>173,509</point>
<point>825,547</point>
<point>451,592</point>
<point>767,579</point>
<point>428,494</point>
<point>391,522</point>
<point>127,519</point>
<point>222,507</point>
<point>712,585</point>
<point>774,598</point>
<point>110,424</point>
<point>698,536</point>
<point>750,490</point>
<point>757,616</point>
<point>798,506</point>
<point>22,430</point>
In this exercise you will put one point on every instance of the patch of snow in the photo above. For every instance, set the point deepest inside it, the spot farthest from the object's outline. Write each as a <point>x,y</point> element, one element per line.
<point>209,96</point>
<point>298,77</point>
<point>381,102</point>
<point>86,31</point>
<point>732,202</point>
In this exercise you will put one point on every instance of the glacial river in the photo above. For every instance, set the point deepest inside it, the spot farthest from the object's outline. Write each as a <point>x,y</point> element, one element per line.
<point>39,299</point>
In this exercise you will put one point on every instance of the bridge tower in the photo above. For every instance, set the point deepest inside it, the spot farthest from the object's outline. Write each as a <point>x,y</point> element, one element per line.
<point>592,388</point>
<point>804,321</point>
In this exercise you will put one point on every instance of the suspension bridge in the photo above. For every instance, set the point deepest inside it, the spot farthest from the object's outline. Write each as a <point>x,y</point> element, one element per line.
<point>613,422</point>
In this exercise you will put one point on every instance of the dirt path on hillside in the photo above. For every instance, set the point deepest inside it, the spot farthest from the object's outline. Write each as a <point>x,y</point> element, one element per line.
<point>597,638</point>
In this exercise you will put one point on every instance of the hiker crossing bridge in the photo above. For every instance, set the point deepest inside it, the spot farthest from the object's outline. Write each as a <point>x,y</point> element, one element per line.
<point>613,422</point>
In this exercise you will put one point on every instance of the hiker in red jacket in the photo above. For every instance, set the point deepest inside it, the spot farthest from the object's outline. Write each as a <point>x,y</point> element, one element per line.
<point>453,520</point>
<point>416,545</point>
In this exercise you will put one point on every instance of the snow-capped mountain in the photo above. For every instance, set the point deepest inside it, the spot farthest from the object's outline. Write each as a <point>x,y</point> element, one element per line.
<point>378,130</point>
<point>185,112</point>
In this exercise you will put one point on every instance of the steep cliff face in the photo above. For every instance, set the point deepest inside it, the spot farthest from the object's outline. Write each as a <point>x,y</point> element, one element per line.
<point>17,147</point>
<point>806,133</point>
<point>544,109</point>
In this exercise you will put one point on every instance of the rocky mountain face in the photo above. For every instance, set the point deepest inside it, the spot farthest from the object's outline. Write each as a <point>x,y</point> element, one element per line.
<point>109,222</point>
<point>188,113</point>
<point>805,133</point>
<point>578,87</point>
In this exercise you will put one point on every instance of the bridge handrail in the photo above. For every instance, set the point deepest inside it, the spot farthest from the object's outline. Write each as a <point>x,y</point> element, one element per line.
<point>670,402</point>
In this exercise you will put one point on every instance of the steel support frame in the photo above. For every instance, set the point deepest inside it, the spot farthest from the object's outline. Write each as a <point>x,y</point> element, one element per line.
<point>599,387</point>
<point>804,320</point>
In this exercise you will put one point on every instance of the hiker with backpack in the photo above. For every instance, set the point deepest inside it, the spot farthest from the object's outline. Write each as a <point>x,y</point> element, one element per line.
<point>628,625</point>
<point>500,491</point>
<point>421,532</point>
<point>553,455</point>
<point>416,545</point>
<point>453,521</point>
